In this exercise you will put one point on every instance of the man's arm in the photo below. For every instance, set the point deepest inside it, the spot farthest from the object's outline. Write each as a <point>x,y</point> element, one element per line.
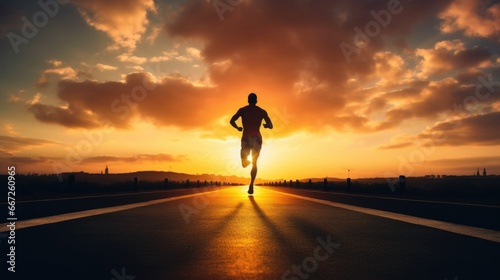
<point>233,121</point>
<point>268,123</point>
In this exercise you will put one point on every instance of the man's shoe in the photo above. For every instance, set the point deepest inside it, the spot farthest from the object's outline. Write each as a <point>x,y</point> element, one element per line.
<point>250,190</point>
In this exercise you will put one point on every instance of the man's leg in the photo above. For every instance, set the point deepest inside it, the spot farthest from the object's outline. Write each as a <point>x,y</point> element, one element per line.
<point>255,143</point>
<point>245,151</point>
<point>253,173</point>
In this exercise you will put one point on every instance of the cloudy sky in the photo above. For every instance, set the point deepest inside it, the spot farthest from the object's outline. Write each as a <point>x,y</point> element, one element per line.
<point>380,88</point>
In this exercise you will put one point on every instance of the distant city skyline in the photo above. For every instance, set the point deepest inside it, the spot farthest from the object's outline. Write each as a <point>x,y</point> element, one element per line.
<point>105,171</point>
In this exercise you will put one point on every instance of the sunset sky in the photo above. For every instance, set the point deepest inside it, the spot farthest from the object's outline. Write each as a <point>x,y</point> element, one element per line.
<point>380,88</point>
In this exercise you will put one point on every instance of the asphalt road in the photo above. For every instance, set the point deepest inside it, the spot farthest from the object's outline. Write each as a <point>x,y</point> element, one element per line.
<point>229,235</point>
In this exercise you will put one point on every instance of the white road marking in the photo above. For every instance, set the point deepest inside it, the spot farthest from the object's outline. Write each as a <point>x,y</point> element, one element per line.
<point>407,199</point>
<point>91,196</point>
<point>20,224</point>
<point>486,234</point>
<point>481,233</point>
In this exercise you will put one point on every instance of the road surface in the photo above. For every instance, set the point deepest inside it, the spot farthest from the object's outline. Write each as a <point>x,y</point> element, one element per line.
<point>275,234</point>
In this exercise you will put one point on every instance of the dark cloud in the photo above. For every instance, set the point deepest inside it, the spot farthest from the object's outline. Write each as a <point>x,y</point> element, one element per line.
<point>405,93</point>
<point>447,98</point>
<point>471,57</point>
<point>468,162</point>
<point>60,164</point>
<point>481,130</point>
<point>70,117</point>
<point>449,56</point>
<point>9,145</point>
<point>289,53</point>
<point>468,165</point>
<point>476,18</point>
<point>90,104</point>
<point>30,160</point>
<point>137,158</point>
<point>10,19</point>
<point>102,159</point>
<point>395,145</point>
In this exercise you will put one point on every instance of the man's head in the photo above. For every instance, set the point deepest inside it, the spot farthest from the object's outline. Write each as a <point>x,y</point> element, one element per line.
<point>252,98</point>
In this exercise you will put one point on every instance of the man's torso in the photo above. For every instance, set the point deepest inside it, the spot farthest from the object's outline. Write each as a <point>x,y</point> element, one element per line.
<point>252,118</point>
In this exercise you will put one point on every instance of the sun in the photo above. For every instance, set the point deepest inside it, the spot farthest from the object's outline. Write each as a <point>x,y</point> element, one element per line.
<point>263,158</point>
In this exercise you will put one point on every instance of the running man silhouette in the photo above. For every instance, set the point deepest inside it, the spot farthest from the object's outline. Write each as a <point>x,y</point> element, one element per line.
<point>251,140</point>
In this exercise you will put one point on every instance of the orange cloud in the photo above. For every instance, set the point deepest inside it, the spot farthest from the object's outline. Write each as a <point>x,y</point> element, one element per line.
<point>481,129</point>
<point>291,58</point>
<point>47,164</point>
<point>446,98</point>
<point>450,55</point>
<point>400,141</point>
<point>90,104</point>
<point>124,21</point>
<point>391,69</point>
<point>54,62</point>
<point>290,52</point>
<point>10,145</point>
<point>476,18</point>
<point>466,165</point>
<point>136,158</point>
<point>67,72</point>
<point>105,67</point>
<point>126,57</point>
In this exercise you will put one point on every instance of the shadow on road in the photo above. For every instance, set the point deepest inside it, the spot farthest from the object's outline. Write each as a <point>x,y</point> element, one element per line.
<point>276,232</point>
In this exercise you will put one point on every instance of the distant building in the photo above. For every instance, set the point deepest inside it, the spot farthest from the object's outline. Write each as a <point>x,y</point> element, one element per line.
<point>106,171</point>
<point>484,172</point>
<point>477,173</point>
